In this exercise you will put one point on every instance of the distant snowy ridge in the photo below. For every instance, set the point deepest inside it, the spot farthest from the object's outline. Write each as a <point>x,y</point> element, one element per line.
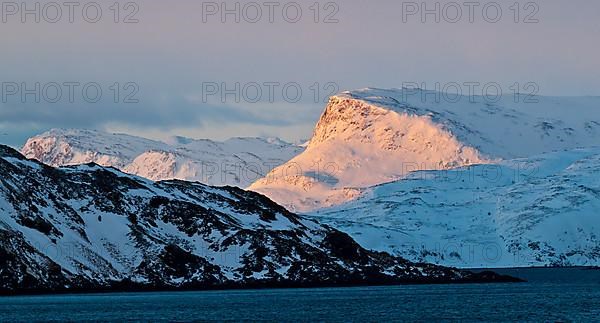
<point>237,162</point>
<point>538,211</point>
<point>373,136</point>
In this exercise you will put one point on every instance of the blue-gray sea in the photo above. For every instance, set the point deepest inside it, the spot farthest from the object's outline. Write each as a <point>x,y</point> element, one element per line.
<point>550,295</point>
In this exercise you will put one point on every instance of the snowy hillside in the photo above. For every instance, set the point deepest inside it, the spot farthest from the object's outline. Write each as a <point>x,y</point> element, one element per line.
<point>92,228</point>
<point>372,136</point>
<point>537,211</point>
<point>237,162</point>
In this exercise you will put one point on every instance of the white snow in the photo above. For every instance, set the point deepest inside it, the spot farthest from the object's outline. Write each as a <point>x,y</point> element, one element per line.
<point>236,162</point>
<point>537,211</point>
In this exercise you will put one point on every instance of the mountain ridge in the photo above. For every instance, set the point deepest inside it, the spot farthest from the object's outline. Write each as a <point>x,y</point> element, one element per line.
<point>237,161</point>
<point>91,228</point>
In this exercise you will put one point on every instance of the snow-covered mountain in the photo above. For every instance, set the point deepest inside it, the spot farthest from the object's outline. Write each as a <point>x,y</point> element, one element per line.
<point>370,137</point>
<point>88,227</point>
<point>373,136</point>
<point>237,162</point>
<point>538,211</point>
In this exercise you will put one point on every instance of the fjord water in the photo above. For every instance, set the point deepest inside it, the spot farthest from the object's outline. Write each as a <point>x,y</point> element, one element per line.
<point>571,294</point>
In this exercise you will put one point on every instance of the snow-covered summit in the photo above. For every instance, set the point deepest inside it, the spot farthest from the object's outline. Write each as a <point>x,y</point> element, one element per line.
<point>236,162</point>
<point>509,126</point>
<point>372,136</point>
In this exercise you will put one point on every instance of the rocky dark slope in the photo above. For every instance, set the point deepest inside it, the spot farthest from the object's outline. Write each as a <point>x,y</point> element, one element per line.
<point>86,228</point>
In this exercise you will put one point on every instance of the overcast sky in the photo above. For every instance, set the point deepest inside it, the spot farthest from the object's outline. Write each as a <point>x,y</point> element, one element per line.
<point>170,66</point>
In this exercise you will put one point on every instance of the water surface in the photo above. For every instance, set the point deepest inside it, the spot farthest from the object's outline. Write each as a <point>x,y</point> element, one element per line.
<point>550,295</point>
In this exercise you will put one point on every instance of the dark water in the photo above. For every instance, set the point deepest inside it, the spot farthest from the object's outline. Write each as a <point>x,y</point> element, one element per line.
<point>551,295</point>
